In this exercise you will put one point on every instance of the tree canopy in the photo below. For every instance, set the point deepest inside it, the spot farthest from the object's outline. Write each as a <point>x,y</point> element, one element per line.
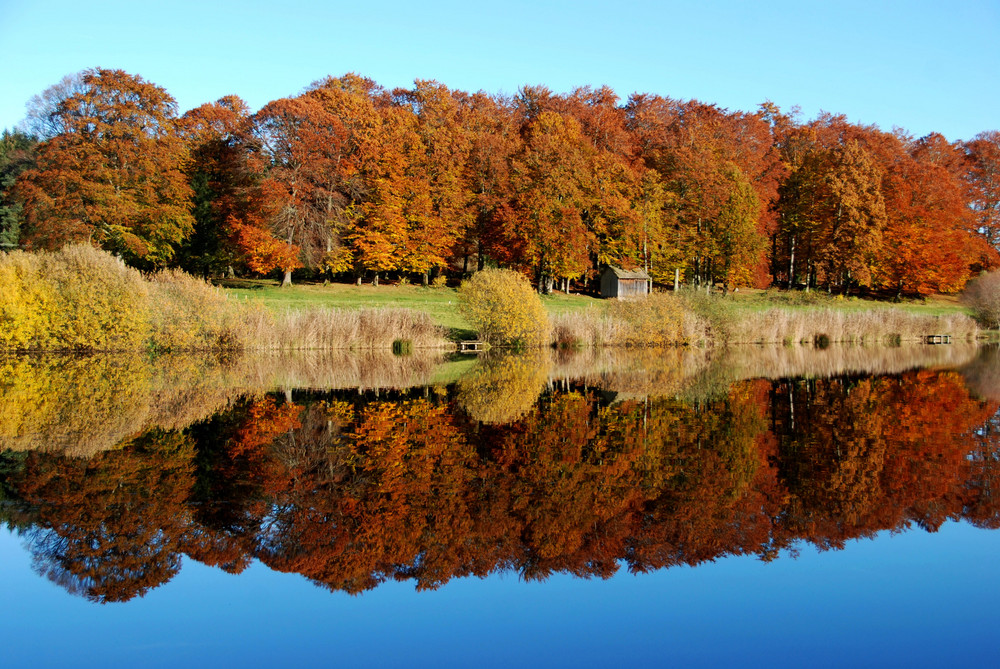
<point>348,178</point>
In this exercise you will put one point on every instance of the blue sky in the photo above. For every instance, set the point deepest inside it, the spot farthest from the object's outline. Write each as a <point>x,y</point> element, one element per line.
<point>922,66</point>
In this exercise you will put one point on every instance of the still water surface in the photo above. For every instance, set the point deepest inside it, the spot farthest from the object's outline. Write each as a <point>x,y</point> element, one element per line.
<point>667,509</point>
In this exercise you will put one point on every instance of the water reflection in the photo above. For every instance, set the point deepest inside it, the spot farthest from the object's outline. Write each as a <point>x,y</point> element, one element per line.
<point>564,464</point>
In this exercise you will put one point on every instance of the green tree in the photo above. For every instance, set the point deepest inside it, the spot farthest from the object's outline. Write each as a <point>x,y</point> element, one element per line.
<point>17,154</point>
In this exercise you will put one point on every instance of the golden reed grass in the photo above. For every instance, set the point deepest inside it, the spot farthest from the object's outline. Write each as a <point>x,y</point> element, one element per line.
<point>880,325</point>
<point>658,322</point>
<point>655,321</point>
<point>698,372</point>
<point>329,329</point>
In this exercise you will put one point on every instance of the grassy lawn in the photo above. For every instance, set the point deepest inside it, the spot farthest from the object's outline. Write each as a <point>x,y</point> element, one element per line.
<point>440,303</point>
<point>757,300</point>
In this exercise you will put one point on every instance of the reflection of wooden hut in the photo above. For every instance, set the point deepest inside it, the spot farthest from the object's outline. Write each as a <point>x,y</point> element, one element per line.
<point>617,282</point>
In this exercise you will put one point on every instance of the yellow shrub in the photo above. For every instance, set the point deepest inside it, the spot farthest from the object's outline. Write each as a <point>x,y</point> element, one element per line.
<point>100,303</point>
<point>505,310</point>
<point>25,302</point>
<point>188,313</point>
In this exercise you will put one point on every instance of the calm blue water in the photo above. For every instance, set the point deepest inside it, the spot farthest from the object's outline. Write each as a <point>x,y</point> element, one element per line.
<point>910,599</point>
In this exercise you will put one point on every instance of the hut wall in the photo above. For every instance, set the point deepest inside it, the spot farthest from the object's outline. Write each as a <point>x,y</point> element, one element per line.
<point>631,287</point>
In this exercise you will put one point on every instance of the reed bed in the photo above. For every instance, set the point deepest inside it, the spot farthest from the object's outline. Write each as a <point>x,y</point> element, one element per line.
<point>642,372</point>
<point>656,321</point>
<point>659,322</point>
<point>339,369</point>
<point>823,326</point>
<point>330,329</point>
<point>778,362</point>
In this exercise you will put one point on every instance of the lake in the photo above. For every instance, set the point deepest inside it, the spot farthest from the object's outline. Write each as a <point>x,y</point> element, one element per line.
<point>755,506</point>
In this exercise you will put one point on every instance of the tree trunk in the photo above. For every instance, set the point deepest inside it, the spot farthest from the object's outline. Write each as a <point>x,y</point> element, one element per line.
<point>287,280</point>
<point>791,261</point>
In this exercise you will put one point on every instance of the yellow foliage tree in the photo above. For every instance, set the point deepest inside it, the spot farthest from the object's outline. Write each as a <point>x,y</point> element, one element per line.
<point>505,310</point>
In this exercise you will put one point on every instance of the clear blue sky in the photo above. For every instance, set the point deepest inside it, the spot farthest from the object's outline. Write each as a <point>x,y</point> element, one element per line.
<point>923,66</point>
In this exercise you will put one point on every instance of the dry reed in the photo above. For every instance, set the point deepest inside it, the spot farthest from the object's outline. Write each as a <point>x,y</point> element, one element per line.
<point>777,362</point>
<point>330,329</point>
<point>647,323</point>
<point>885,325</point>
<point>697,373</point>
<point>655,321</point>
<point>643,372</point>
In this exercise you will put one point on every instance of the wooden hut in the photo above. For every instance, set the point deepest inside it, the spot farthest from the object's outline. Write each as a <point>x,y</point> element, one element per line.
<point>617,282</point>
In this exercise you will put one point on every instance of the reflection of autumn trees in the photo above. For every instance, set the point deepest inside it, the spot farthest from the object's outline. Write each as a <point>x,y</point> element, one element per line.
<point>863,455</point>
<point>113,526</point>
<point>349,490</point>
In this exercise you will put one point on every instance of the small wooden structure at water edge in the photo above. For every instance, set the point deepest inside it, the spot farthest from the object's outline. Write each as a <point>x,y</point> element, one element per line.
<point>617,282</point>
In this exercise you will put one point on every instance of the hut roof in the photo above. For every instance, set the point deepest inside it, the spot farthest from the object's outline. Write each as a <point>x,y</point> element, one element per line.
<point>628,274</point>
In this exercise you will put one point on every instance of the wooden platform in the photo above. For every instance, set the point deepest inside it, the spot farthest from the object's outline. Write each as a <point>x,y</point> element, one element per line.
<point>938,339</point>
<point>471,346</point>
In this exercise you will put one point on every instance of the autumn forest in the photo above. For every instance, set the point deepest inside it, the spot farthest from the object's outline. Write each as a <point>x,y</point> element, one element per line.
<point>351,181</point>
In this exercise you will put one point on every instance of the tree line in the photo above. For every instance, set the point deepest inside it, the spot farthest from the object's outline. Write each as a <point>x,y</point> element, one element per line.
<point>350,179</point>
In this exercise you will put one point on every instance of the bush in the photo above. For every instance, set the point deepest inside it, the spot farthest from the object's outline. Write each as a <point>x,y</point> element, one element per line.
<point>78,298</point>
<point>25,302</point>
<point>188,313</point>
<point>504,309</point>
<point>982,295</point>
<point>101,303</point>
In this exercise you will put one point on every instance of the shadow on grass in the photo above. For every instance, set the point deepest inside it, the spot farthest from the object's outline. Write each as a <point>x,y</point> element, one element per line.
<point>244,284</point>
<point>460,334</point>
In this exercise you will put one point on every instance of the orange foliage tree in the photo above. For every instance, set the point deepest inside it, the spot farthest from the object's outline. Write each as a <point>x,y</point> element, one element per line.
<point>983,175</point>
<point>114,173</point>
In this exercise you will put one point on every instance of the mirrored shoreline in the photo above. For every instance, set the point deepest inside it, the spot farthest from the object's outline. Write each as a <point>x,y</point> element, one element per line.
<point>354,471</point>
